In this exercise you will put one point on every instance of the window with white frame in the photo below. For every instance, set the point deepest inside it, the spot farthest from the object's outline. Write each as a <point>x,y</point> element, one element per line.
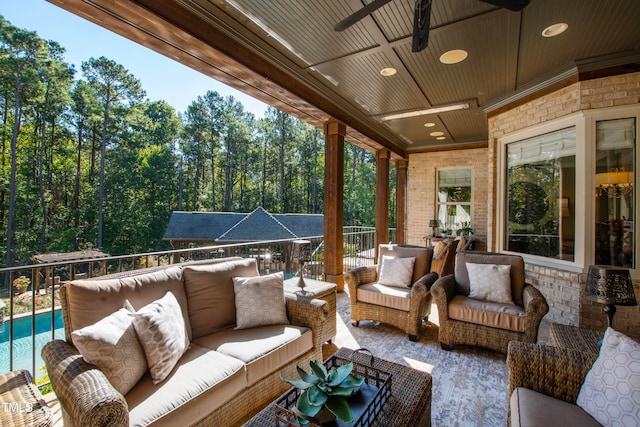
<point>567,190</point>
<point>540,195</point>
<point>453,202</point>
<point>615,195</point>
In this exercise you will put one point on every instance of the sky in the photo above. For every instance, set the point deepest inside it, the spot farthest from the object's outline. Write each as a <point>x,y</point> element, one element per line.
<point>162,78</point>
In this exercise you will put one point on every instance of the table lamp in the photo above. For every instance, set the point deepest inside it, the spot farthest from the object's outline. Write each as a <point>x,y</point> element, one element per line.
<point>610,286</point>
<point>300,254</point>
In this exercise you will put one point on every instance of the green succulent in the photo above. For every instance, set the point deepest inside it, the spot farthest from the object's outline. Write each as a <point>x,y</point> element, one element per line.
<point>328,388</point>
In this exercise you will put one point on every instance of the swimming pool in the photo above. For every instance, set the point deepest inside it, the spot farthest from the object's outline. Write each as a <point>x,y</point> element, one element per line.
<point>23,342</point>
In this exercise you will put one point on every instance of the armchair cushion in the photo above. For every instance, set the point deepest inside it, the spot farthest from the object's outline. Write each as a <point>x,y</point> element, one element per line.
<point>490,282</point>
<point>531,408</point>
<point>421,254</point>
<point>509,317</point>
<point>517,271</point>
<point>611,390</point>
<point>396,272</point>
<point>386,296</point>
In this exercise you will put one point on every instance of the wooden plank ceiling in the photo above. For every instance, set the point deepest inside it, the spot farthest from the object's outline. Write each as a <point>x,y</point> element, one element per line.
<point>286,53</point>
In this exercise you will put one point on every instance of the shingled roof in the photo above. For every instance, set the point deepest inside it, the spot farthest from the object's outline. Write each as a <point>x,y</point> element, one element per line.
<point>231,227</point>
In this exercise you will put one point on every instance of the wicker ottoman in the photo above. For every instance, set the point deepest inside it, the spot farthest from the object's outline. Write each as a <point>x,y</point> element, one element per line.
<point>575,338</point>
<point>22,403</point>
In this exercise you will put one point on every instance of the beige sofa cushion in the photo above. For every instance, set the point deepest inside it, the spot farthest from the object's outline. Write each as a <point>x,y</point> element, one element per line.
<point>89,301</point>
<point>496,315</point>
<point>265,349</point>
<point>202,381</point>
<point>421,254</point>
<point>210,296</point>
<point>260,301</point>
<point>160,329</point>
<point>113,346</point>
<point>530,408</point>
<point>517,271</point>
<point>387,296</point>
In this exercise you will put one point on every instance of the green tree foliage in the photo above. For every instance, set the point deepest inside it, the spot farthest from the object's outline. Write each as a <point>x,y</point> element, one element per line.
<point>88,161</point>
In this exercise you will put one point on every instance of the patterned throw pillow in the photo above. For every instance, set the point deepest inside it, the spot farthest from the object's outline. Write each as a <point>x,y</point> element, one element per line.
<point>490,282</point>
<point>162,333</point>
<point>260,301</point>
<point>112,345</point>
<point>611,390</point>
<point>396,272</point>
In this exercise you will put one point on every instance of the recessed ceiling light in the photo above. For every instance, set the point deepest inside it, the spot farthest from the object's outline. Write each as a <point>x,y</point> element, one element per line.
<point>440,138</point>
<point>555,29</point>
<point>453,56</point>
<point>432,110</point>
<point>436,133</point>
<point>389,71</point>
<point>429,125</point>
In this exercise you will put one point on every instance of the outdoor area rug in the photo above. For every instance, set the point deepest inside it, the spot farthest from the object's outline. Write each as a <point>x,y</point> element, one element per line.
<point>470,384</point>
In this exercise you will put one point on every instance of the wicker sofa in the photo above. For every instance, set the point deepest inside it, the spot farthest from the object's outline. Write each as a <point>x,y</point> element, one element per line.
<point>226,374</point>
<point>544,383</point>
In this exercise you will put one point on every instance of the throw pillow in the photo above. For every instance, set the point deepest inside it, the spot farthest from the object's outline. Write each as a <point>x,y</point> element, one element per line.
<point>162,333</point>
<point>260,301</point>
<point>396,272</point>
<point>113,346</point>
<point>490,282</point>
<point>611,390</point>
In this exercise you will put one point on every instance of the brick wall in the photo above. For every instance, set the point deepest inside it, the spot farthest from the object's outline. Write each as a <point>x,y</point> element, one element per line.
<point>564,290</point>
<point>421,191</point>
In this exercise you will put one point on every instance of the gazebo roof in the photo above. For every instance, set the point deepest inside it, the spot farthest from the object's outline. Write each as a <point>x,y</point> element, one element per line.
<point>68,256</point>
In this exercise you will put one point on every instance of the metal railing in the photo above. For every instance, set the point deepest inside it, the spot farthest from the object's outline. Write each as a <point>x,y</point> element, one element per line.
<point>30,311</point>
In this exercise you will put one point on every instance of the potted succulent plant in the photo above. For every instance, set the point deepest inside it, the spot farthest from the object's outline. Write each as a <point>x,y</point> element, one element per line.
<point>325,388</point>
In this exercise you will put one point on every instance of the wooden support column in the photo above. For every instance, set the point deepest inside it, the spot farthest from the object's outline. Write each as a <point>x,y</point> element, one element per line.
<point>334,133</point>
<point>401,201</point>
<point>382,197</point>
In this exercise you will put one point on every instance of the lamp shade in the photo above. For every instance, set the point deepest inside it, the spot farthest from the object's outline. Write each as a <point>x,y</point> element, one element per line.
<point>301,252</point>
<point>610,285</point>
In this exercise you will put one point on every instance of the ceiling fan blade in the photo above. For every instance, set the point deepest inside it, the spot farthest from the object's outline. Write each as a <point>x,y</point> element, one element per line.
<point>421,22</point>
<point>359,14</point>
<point>515,5</point>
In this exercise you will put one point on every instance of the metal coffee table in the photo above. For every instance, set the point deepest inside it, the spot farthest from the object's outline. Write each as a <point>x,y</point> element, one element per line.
<point>409,404</point>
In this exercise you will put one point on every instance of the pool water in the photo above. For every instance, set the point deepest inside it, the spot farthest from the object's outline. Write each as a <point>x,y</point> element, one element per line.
<point>23,341</point>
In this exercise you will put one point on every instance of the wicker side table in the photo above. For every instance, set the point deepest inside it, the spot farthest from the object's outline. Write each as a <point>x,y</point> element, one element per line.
<point>574,337</point>
<point>321,290</point>
<point>21,403</point>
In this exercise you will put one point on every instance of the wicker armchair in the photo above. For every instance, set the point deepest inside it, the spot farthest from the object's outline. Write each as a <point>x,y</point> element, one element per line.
<point>405,308</point>
<point>464,320</point>
<point>556,372</point>
<point>443,262</point>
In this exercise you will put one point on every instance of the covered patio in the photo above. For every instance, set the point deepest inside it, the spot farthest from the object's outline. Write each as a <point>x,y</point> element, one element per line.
<point>519,78</point>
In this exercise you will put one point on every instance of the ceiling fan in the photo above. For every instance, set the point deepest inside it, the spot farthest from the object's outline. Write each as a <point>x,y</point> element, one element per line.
<point>421,17</point>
